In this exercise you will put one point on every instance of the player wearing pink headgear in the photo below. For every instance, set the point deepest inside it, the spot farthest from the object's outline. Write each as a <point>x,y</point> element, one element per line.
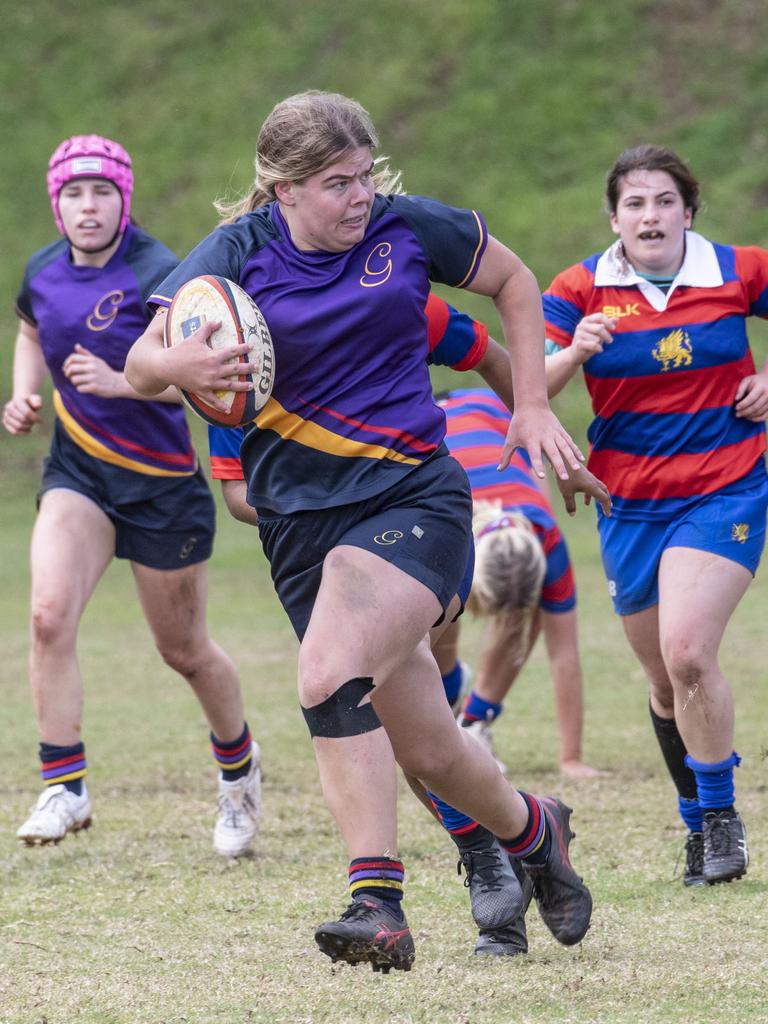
<point>91,156</point>
<point>122,480</point>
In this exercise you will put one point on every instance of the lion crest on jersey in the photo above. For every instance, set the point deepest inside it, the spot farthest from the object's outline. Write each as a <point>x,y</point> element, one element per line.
<point>673,350</point>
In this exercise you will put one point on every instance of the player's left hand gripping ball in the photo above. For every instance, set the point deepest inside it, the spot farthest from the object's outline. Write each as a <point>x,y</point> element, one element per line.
<point>217,298</point>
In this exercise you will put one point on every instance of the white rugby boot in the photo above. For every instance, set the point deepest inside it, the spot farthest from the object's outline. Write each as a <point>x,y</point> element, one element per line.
<point>58,810</point>
<point>239,814</point>
<point>482,732</point>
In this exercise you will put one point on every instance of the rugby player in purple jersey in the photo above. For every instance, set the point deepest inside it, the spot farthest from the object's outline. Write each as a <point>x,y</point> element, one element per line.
<point>522,578</point>
<point>657,322</point>
<point>121,481</point>
<point>364,517</point>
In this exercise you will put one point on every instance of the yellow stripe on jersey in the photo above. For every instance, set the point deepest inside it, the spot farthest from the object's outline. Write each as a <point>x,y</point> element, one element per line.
<point>293,428</point>
<point>99,451</point>
<point>475,254</point>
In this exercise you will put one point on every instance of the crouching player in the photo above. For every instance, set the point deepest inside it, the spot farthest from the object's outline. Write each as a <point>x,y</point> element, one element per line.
<point>523,581</point>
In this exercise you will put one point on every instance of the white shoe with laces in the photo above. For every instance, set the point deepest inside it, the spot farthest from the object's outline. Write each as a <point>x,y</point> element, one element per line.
<point>482,732</point>
<point>58,810</point>
<point>239,814</point>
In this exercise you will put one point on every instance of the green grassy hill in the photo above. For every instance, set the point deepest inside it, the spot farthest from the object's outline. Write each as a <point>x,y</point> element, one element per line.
<point>511,107</point>
<point>517,109</point>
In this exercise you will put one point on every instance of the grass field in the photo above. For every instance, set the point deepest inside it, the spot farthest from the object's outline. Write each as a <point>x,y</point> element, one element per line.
<point>139,922</point>
<point>515,108</point>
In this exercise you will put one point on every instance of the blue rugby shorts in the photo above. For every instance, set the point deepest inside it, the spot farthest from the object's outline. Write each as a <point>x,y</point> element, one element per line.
<point>729,523</point>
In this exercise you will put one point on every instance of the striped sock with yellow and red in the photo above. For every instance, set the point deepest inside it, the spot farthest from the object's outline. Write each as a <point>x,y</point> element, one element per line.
<point>234,758</point>
<point>63,765</point>
<point>533,843</point>
<point>380,877</point>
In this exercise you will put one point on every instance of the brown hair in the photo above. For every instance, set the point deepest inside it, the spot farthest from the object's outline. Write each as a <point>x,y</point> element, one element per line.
<point>302,135</point>
<point>652,158</point>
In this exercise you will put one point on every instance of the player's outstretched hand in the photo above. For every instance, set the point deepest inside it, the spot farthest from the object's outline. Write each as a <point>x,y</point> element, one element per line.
<point>538,430</point>
<point>581,481</point>
<point>751,401</point>
<point>21,414</point>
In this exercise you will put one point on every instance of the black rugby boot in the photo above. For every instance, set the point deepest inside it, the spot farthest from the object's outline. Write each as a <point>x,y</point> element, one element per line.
<point>564,902</point>
<point>368,932</point>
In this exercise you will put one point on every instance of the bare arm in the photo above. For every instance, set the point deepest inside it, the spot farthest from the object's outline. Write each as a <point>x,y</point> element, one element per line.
<point>496,371</point>
<point>592,334</point>
<point>562,643</point>
<point>508,640</point>
<point>515,293</point>
<point>234,492</point>
<point>20,413</point>
<point>560,368</point>
<point>194,366</point>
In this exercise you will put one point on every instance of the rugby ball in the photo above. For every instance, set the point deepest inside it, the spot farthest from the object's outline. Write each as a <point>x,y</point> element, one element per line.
<point>217,298</point>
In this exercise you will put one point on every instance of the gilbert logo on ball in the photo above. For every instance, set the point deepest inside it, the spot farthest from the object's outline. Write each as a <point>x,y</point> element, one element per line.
<point>217,298</point>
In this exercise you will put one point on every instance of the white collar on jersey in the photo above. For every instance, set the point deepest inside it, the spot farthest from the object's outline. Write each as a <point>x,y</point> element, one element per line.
<point>700,269</point>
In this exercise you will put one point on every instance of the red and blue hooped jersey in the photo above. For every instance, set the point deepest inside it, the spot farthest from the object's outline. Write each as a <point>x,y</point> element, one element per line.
<point>477,422</point>
<point>104,309</point>
<point>352,409</point>
<point>454,339</point>
<point>665,432</point>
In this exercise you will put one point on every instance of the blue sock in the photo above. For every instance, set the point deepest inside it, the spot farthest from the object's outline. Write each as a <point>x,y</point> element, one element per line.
<point>477,708</point>
<point>714,782</point>
<point>453,821</point>
<point>691,813</point>
<point>452,683</point>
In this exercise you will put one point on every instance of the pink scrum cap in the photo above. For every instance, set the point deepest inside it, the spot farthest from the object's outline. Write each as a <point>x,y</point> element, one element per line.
<point>90,156</point>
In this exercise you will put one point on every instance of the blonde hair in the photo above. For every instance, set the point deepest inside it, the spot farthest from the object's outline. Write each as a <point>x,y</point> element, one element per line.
<point>302,135</point>
<point>509,562</point>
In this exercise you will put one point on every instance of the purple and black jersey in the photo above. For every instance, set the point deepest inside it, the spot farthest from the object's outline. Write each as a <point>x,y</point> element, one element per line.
<point>352,410</point>
<point>104,310</point>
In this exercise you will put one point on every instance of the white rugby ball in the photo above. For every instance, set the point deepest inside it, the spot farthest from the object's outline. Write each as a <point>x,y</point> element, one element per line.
<point>217,298</point>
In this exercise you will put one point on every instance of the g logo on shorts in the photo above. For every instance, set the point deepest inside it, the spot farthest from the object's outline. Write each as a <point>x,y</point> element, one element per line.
<point>187,548</point>
<point>388,537</point>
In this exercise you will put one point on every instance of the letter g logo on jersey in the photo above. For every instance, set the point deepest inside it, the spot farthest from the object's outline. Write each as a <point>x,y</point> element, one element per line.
<point>378,266</point>
<point>105,311</point>
<point>388,537</point>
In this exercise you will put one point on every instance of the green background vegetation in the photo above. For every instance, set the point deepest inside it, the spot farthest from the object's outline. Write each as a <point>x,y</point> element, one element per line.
<point>515,108</point>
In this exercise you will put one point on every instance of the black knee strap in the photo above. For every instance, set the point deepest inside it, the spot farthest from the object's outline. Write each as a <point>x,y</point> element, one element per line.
<point>339,715</point>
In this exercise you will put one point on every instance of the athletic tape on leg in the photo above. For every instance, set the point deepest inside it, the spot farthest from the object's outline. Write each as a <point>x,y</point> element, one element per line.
<point>339,715</point>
